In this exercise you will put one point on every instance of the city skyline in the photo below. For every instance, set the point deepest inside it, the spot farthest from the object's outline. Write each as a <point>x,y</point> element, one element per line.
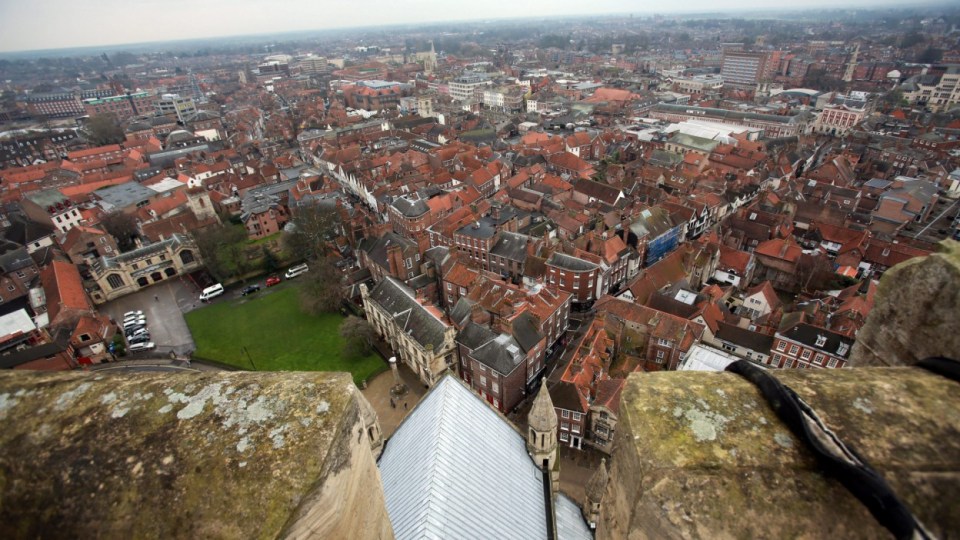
<point>123,22</point>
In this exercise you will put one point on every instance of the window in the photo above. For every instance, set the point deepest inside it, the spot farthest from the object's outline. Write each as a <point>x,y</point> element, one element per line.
<point>564,437</point>
<point>565,426</point>
<point>20,274</point>
<point>793,350</point>
<point>818,359</point>
<point>575,428</point>
<point>832,363</point>
<point>659,355</point>
<point>806,354</point>
<point>495,387</point>
<point>115,281</point>
<point>483,368</point>
<point>782,346</point>
<point>565,413</point>
<point>463,290</point>
<point>11,288</point>
<point>577,416</point>
<point>449,286</point>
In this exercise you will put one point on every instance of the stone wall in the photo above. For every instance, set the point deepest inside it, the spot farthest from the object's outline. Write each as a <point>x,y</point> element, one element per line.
<point>187,455</point>
<point>702,455</point>
<point>916,313</point>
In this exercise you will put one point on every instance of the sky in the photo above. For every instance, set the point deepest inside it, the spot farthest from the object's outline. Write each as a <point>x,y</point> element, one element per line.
<point>54,24</point>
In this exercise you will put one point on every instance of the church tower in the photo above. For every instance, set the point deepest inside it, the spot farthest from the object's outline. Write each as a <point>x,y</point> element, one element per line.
<point>595,488</point>
<point>542,434</point>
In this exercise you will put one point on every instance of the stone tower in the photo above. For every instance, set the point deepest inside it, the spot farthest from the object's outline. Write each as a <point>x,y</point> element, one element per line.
<point>595,488</point>
<point>198,201</point>
<point>542,434</point>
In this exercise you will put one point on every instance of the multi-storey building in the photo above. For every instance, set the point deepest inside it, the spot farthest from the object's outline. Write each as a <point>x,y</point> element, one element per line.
<point>52,206</point>
<point>581,278</point>
<point>134,270</point>
<point>175,105</point>
<point>740,68</point>
<point>417,331</point>
<point>936,94</point>
<point>773,126</point>
<point>463,87</point>
<point>698,85</point>
<point>804,345</point>
<point>123,106</point>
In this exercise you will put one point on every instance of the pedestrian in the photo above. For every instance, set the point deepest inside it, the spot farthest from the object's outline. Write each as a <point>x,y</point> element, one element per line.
<point>157,298</point>
<point>393,404</point>
<point>404,405</point>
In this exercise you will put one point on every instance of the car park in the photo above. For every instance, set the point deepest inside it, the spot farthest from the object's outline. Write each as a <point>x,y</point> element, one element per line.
<point>137,331</point>
<point>273,280</point>
<point>142,338</point>
<point>249,290</point>
<point>131,314</point>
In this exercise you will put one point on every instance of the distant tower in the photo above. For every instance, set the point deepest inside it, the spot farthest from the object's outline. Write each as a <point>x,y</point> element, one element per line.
<point>430,60</point>
<point>595,488</point>
<point>198,201</point>
<point>542,434</point>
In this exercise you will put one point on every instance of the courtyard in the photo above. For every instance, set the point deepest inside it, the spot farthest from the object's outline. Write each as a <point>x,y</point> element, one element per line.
<point>267,332</point>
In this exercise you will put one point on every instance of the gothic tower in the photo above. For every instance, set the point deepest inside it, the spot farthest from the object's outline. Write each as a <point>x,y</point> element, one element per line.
<point>595,488</point>
<point>542,434</point>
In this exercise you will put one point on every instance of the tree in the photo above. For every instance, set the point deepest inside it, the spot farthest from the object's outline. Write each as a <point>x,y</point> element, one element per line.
<point>270,262</point>
<point>930,55</point>
<point>224,250</point>
<point>103,129</point>
<point>357,335</point>
<point>123,227</point>
<point>321,290</point>
<point>313,230</point>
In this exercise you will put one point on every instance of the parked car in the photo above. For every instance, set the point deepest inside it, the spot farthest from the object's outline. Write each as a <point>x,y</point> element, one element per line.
<point>249,290</point>
<point>130,314</point>
<point>140,347</point>
<point>130,323</point>
<point>273,280</point>
<point>211,292</point>
<point>295,271</point>
<point>142,338</point>
<point>137,331</point>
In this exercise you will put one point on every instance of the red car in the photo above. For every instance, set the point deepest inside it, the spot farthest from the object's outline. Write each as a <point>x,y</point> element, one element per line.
<point>273,280</point>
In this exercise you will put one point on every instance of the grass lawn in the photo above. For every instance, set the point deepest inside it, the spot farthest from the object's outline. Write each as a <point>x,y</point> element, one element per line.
<point>277,335</point>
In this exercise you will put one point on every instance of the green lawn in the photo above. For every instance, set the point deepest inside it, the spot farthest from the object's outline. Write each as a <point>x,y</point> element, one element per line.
<point>277,335</point>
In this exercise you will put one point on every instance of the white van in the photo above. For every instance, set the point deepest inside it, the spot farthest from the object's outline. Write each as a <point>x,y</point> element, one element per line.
<point>138,347</point>
<point>295,271</point>
<point>211,292</point>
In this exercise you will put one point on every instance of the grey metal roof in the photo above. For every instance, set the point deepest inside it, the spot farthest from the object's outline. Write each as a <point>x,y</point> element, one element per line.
<point>123,195</point>
<point>456,469</point>
<point>501,354</point>
<point>483,228</point>
<point>570,523</point>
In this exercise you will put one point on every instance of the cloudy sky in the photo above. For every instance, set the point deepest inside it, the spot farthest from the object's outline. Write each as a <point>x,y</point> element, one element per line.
<point>52,24</point>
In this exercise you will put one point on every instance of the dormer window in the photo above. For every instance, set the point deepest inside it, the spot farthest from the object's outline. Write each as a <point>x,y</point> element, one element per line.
<point>821,340</point>
<point>842,350</point>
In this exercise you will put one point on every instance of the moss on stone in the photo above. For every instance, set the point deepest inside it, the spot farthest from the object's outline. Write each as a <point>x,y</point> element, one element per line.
<point>213,455</point>
<point>702,455</point>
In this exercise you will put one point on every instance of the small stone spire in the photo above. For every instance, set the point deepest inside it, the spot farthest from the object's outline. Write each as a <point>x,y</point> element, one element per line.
<point>542,416</point>
<point>542,435</point>
<point>595,489</point>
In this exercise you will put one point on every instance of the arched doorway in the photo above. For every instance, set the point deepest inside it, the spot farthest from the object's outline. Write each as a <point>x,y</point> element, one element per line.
<point>186,257</point>
<point>142,281</point>
<point>156,276</point>
<point>170,272</point>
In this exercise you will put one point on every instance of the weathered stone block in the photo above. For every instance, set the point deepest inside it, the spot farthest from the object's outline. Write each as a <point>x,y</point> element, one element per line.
<point>702,455</point>
<point>167,455</point>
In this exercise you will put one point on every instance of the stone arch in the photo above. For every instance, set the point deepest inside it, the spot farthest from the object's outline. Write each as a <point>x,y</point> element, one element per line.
<point>186,257</point>
<point>142,281</point>
<point>156,276</point>
<point>170,272</point>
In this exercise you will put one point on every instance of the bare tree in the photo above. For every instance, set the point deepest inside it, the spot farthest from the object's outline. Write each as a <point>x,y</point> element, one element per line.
<point>321,290</point>
<point>357,335</point>
<point>123,227</point>
<point>313,231</point>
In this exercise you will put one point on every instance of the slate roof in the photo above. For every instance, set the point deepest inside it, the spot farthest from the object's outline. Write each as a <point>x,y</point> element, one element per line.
<point>376,249</point>
<point>512,246</point>
<point>410,206</point>
<point>835,344</point>
<point>501,354</point>
<point>567,262</point>
<point>755,341</point>
<point>456,469</point>
<point>399,301</point>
